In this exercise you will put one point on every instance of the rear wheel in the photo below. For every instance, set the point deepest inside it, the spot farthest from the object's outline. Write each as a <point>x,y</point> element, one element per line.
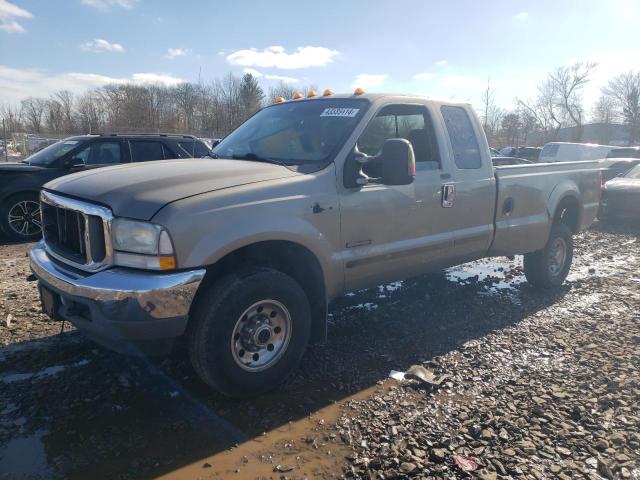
<point>549,267</point>
<point>20,217</point>
<point>249,331</point>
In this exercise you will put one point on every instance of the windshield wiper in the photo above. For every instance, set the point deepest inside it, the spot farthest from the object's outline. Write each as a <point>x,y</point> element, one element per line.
<point>257,158</point>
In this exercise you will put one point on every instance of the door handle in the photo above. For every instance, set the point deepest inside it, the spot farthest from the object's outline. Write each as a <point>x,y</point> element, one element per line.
<point>448,194</point>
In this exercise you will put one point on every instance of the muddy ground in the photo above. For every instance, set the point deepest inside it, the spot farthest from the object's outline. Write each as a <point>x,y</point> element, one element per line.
<point>539,385</point>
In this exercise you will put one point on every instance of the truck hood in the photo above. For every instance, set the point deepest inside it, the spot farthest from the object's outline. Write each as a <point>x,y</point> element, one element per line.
<point>139,190</point>
<point>19,167</point>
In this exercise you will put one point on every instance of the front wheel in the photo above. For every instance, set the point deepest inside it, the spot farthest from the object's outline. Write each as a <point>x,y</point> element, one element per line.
<point>549,267</point>
<point>249,331</point>
<point>20,217</point>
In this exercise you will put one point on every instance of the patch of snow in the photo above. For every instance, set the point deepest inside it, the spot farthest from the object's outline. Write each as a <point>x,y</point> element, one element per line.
<point>369,306</point>
<point>46,372</point>
<point>494,270</point>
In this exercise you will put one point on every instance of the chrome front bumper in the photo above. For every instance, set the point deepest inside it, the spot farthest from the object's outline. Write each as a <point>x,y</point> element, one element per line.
<point>126,310</point>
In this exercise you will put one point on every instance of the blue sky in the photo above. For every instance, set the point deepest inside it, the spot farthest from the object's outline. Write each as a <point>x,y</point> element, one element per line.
<point>437,48</point>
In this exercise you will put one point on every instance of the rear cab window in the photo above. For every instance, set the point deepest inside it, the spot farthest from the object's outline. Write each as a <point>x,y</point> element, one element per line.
<point>464,142</point>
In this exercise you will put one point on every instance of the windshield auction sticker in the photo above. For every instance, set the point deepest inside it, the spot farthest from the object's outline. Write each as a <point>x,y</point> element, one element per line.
<point>339,112</point>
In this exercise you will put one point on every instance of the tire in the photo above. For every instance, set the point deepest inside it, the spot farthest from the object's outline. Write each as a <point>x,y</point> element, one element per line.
<point>20,217</point>
<point>545,268</point>
<point>227,319</point>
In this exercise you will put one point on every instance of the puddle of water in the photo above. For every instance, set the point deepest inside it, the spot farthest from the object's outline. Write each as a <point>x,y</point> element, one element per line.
<point>306,445</point>
<point>46,372</point>
<point>25,458</point>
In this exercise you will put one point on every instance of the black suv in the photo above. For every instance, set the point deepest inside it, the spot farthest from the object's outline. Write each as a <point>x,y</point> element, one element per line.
<point>20,182</point>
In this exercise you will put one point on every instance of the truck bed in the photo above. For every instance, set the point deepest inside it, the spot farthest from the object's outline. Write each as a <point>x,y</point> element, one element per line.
<point>527,198</point>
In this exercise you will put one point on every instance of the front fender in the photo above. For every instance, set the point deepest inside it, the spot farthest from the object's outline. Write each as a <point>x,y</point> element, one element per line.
<point>208,227</point>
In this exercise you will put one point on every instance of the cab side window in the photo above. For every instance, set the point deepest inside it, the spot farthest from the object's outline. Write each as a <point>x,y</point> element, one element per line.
<point>142,151</point>
<point>100,153</point>
<point>464,142</point>
<point>411,122</point>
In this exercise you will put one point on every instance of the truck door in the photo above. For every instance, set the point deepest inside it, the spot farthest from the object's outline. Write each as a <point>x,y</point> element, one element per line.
<point>393,232</point>
<point>471,208</point>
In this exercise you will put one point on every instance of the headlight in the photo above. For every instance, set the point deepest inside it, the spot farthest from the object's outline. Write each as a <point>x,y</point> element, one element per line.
<point>141,245</point>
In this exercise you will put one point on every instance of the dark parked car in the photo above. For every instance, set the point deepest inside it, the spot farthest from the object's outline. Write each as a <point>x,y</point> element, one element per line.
<point>528,153</point>
<point>624,152</point>
<point>621,197</point>
<point>20,182</point>
<point>620,161</point>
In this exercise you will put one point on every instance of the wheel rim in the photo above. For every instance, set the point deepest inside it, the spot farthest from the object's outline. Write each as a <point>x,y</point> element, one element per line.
<point>24,218</point>
<point>557,256</point>
<point>261,335</point>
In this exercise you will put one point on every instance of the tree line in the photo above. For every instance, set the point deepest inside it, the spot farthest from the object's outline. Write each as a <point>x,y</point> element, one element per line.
<point>209,110</point>
<point>558,103</point>
<point>216,108</point>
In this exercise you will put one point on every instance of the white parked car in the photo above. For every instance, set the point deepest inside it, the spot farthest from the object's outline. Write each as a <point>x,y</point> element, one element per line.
<point>569,152</point>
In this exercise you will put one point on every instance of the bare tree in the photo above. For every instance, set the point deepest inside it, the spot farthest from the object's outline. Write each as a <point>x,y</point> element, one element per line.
<point>11,116</point>
<point>65,99</point>
<point>625,91</point>
<point>33,110</point>
<point>565,87</point>
<point>491,115</point>
<point>282,89</point>
<point>487,104</point>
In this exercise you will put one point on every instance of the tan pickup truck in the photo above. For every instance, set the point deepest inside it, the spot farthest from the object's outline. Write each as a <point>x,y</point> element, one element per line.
<point>307,200</point>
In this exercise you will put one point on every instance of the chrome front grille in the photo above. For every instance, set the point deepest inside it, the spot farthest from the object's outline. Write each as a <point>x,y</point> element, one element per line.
<point>76,232</point>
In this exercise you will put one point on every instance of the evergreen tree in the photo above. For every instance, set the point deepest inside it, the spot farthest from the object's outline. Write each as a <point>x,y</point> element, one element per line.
<point>251,95</point>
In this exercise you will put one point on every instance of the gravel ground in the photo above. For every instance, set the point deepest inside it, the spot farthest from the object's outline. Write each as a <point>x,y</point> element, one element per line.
<point>555,396</point>
<point>539,384</point>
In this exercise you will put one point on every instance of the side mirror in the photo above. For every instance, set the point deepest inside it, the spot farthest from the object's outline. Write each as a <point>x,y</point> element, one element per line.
<point>398,162</point>
<point>215,143</point>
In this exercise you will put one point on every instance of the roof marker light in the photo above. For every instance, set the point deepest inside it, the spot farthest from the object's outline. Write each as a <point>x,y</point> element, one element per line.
<point>327,92</point>
<point>297,96</point>
<point>359,91</point>
<point>279,100</point>
<point>312,93</point>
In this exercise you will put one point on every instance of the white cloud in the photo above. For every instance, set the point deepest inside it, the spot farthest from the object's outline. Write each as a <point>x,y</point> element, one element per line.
<point>281,78</point>
<point>442,63</point>
<point>106,4</point>
<point>424,76</point>
<point>522,16</point>
<point>11,27</point>
<point>368,80</point>
<point>163,79</point>
<point>268,76</point>
<point>16,84</point>
<point>8,13</point>
<point>276,57</point>
<point>100,45</point>
<point>176,52</point>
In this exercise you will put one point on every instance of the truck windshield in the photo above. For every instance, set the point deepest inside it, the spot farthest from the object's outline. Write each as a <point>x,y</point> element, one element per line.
<point>46,156</point>
<point>295,133</point>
